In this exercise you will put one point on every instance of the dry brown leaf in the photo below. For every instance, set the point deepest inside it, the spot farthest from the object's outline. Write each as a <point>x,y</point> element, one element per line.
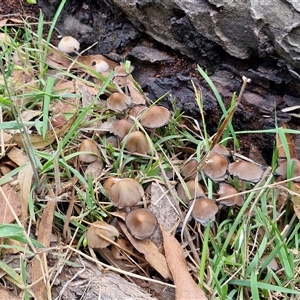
<point>88,61</point>
<point>291,146</point>
<point>163,207</point>
<point>39,266</point>
<point>37,140</point>
<point>25,177</point>
<point>14,200</point>
<point>17,156</point>
<point>135,94</point>
<point>5,295</point>
<point>57,60</point>
<point>186,287</point>
<point>151,252</point>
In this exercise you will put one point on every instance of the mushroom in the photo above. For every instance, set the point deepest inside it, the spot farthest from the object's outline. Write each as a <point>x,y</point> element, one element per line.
<point>118,102</point>
<point>215,166</point>
<point>97,230</point>
<point>204,210</point>
<point>190,169</point>
<point>100,66</point>
<point>125,192</point>
<point>122,127</point>
<point>68,44</point>
<point>194,190</point>
<point>283,166</point>
<point>220,149</point>
<point>91,149</point>
<point>246,171</point>
<point>136,110</point>
<point>155,116</point>
<point>141,223</point>
<point>226,189</point>
<point>117,251</point>
<point>136,141</point>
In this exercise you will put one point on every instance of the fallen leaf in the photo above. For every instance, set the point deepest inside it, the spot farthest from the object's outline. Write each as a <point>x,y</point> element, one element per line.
<point>17,156</point>
<point>37,140</point>
<point>186,287</point>
<point>151,252</point>
<point>5,294</point>
<point>14,200</point>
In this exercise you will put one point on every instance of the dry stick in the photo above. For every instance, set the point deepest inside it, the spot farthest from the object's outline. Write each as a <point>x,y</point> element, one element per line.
<point>230,115</point>
<point>118,270</point>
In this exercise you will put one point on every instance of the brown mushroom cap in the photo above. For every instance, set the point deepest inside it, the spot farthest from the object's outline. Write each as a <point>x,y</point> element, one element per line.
<point>136,110</point>
<point>246,171</point>
<point>92,150</point>
<point>190,169</point>
<point>98,228</point>
<point>194,188</point>
<point>155,116</point>
<point>122,127</point>
<point>118,101</point>
<point>226,189</point>
<point>125,192</point>
<point>215,166</point>
<point>141,223</point>
<point>204,210</point>
<point>136,141</point>
<point>282,169</point>
<point>220,149</point>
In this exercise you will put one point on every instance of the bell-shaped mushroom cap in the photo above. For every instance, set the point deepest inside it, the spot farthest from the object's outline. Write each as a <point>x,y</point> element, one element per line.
<point>220,149</point>
<point>194,189</point>
<point>122,127</point>
<point>215,166</point>
<point>98,228</point>
<point>136,110</point>
<point>226,189</point>
<point>246,171</point>
<point>155,116</point>
<point>68,44</point>
<point>125,192</point>
<point>282,169</point>
<point>136,141</point>
<point>100,65</point>
<point>190,169</point>
<point>204,210</point>
<point>92,150</point>
<point>141,223</point>
<point>118,102</point>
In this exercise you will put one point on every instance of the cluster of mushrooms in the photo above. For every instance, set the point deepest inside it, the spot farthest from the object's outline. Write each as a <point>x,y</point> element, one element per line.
<point>133,130</point>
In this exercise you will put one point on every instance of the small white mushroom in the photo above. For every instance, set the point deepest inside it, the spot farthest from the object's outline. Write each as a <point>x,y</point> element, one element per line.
<point>68,44</point>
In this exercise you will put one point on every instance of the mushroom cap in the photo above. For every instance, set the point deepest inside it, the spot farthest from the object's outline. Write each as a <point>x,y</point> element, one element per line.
<point>282,169</point>
<point>141,223</point>
<point>122,127</point>
<point>246,171</point>
<point>136,141</point>
<point>68,44</point>
<point>204,210</point>
<point>155,116</point>
<point>100,65</point>
<point>118,101</point>
<point>92,149</point>
<point>194,188</point>
<point>101,228</point>
<point>125,192</point>
<point>220,149</point>
<point>226,189</point>
<point>215,166</point>
<point>136,110</point>
<point>190,169</point>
